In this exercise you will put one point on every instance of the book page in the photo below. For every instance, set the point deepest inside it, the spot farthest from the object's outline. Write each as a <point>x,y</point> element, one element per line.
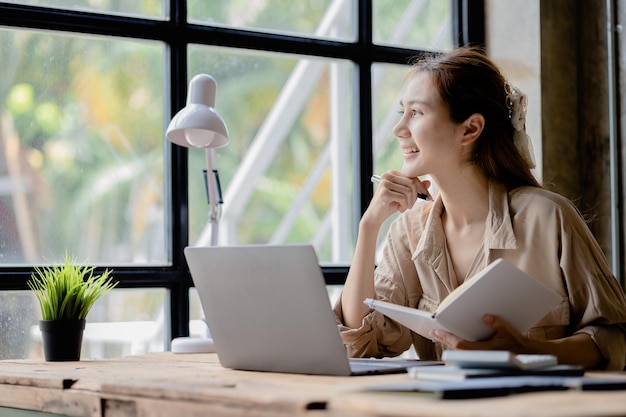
<point>501,290</point>
<point>465,286</point>
<point>420,321</point>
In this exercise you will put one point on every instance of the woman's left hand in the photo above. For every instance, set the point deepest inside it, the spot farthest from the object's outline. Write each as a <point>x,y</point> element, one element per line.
<point>506,337</point>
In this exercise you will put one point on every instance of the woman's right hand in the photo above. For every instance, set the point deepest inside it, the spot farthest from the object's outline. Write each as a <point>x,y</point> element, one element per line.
<point>395,193</point>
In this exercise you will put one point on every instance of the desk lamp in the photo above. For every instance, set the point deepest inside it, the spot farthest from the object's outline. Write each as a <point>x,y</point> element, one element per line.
<point>198,125</point>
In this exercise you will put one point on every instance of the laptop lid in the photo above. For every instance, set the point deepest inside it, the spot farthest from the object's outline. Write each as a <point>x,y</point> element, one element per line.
<point>268,309</point>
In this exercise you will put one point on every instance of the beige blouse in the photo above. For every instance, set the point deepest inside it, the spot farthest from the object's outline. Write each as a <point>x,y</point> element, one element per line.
<point>539,231</point>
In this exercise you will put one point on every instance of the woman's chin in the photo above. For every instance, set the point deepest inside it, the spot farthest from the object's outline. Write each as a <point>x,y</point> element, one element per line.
<point>412,172</point>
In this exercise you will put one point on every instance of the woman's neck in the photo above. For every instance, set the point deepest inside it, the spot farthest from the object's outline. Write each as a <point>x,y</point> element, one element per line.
<point>465,198</point>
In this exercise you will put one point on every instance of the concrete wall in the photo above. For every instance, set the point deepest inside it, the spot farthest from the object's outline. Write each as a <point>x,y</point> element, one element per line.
<point>513,42</point>
<point>557,51</point>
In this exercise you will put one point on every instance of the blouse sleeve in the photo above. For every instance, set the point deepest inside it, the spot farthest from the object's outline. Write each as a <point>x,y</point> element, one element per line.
<point>378,335</point>
<point>597,302</point>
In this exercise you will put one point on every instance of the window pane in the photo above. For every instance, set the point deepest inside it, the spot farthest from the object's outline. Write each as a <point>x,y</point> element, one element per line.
<point>415,24</point>
<point>287,171</point>
<point>386,91</point>
<point>312,18</point>
<point>155,9</point>
<point>81,165</point>
<point>123,322</point>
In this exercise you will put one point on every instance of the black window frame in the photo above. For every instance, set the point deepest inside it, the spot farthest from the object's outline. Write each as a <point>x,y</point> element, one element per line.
<point>177,34</point>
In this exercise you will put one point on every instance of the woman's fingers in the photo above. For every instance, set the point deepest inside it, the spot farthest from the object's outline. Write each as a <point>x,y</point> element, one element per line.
<point>405,190</point>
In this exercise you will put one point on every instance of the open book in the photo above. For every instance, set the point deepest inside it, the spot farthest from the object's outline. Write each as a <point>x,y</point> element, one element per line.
<point>501,289</point>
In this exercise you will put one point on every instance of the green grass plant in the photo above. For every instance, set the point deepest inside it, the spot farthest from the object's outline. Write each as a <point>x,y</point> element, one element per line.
<point>68,291</point>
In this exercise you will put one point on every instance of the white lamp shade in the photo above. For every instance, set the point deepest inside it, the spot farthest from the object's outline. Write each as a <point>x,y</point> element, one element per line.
<point>198,125</point>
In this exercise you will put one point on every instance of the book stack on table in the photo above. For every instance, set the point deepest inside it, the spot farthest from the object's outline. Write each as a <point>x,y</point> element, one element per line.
<point>476,374</point>
<point>465,364</point>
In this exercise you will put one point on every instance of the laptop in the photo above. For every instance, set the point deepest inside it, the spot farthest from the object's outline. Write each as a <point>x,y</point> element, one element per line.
<point>268,309</point>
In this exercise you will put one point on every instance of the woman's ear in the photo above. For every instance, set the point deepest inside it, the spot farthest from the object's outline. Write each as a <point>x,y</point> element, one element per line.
<point>471,128</point>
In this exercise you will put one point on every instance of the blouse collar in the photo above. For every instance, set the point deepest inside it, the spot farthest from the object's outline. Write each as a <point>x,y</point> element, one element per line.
<point>499,233</point>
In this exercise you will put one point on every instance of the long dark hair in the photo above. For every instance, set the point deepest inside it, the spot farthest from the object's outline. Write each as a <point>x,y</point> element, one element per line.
<point>468,82</point>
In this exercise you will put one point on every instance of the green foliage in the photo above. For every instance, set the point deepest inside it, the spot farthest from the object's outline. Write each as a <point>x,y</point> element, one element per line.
<point>68,291</point>
<point>89,161</point>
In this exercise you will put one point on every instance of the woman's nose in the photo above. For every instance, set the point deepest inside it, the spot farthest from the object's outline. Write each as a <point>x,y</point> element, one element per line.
<point>400,130</point>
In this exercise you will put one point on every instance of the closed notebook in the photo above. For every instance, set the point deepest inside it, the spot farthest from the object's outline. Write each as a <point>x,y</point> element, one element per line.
<point>494,387</point>
<point>497,359</point>
<point>454,373</point>
<point>501,289</point>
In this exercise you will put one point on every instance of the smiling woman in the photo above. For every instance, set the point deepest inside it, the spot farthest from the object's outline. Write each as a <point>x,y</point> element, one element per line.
<point>460,121</point>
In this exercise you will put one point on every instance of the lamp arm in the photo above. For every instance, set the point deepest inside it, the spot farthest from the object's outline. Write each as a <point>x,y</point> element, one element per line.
<point>214,195</point>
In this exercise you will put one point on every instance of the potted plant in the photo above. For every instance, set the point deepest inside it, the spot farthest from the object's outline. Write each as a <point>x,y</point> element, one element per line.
<point>66,293</point>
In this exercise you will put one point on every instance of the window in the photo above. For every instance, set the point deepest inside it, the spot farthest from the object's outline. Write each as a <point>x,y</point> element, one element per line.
<point>425,25</point>
<point>88,87</point>
<point>288,164</point>
<point>81,175</point>
<point>151,9</point>
<point>328,19</point>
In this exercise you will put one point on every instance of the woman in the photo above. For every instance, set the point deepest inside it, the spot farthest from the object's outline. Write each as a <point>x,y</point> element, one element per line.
<point>463,125</point>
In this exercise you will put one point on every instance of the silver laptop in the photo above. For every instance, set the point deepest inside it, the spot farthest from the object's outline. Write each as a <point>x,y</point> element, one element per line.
<point>268,309</point>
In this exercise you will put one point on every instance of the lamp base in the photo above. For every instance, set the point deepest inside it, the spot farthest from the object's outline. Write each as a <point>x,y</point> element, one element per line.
<point>193,345</point>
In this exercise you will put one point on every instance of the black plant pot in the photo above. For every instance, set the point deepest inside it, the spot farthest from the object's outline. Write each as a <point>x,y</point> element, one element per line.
<point>62,339</point>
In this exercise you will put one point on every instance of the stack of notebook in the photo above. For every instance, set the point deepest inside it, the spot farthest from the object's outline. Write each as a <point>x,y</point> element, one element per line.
<point>464,364</point>
<point>476,374</point>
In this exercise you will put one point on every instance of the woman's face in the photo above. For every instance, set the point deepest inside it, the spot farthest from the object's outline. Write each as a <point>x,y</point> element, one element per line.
<point>426,134</point>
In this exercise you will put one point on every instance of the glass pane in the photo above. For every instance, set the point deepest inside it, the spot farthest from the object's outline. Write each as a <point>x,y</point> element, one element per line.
<point>155,9</point>
<point>333,19</point>
<point>123,322</point>
<point>197,324</point>
<point>386,92</point>
<point>287,171</point>
<point>414,24</point>
<point>81,165</point>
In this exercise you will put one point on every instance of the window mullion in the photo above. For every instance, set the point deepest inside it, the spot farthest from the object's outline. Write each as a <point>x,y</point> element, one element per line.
<point>363,152</point>
<point>178,186</point>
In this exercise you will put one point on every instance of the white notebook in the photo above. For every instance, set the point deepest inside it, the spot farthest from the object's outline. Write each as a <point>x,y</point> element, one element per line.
<point>497,359</point>
<point>501,289</point>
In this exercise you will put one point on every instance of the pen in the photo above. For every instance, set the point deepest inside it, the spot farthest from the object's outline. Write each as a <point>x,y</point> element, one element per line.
<point>376,179</point>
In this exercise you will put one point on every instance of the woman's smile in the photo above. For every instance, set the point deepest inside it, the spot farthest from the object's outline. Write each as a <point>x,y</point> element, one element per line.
<point>409,151</point>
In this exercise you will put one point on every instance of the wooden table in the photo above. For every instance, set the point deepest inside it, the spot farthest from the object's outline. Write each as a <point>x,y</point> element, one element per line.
<point>190,385</point>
